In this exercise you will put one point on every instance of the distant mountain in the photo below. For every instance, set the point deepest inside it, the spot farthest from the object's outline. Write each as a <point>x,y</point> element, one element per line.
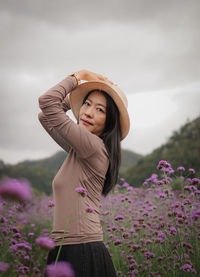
<point>52,163</point>
<point>41,172</point>
<point>129,159</point>
<point>182,149</point>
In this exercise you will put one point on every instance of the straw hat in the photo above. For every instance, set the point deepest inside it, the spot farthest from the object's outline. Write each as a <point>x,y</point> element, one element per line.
<point>77,95</point>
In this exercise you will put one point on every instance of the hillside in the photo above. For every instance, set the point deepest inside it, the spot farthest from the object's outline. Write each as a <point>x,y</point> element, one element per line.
<point>182,149</point>
<point>41,172</point>
<point>129,159</point>
<point>52,163</point>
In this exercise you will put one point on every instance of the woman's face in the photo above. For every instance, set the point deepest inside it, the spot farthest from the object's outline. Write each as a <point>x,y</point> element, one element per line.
<point>92,115</point>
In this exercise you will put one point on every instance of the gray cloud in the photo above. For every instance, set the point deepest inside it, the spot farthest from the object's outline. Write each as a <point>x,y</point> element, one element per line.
<point>157,41</point>
<point>76,12</point>
<point>142,45</point>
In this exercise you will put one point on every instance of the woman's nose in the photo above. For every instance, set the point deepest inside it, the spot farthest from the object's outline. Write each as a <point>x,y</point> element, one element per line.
<point>89,111</point>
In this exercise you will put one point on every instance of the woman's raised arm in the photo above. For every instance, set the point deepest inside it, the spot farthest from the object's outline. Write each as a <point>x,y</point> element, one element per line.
<point>69,134</point>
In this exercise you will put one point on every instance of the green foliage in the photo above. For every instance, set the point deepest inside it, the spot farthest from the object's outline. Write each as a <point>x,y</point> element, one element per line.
<point>182,149</point>
<point>36,221</point>
<point>129,159</point>
<point>178,184</point>
<point>40,173</point>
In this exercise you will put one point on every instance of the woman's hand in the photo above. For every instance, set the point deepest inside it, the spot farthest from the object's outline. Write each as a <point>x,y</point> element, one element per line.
<point>92,76</point>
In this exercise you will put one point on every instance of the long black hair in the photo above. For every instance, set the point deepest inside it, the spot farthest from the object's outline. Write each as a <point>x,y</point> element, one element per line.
<point>111,136</point>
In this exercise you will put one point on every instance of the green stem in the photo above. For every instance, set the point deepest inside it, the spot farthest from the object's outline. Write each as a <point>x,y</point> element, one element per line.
<point>65,230</point>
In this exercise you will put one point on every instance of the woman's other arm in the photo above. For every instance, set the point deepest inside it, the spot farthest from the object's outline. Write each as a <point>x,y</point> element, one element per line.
<point>51,130</point>
<point>49,127</point>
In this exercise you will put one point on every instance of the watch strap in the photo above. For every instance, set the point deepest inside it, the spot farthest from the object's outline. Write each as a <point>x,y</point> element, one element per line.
<point>75,74</point>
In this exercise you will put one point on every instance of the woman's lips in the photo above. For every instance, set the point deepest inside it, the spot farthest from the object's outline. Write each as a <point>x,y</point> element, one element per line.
<point>85,122</point>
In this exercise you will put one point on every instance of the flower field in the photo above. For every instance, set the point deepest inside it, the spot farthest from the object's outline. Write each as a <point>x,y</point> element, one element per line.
<point>153,230</point>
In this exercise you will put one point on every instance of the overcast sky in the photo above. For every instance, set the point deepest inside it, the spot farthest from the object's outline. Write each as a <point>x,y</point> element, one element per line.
<point>150,48</point>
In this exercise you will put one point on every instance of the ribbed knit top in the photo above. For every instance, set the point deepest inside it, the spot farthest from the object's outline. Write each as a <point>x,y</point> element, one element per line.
<point>85,166</point>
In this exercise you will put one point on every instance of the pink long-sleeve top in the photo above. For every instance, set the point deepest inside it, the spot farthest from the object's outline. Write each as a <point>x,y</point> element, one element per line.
<point>85,166</point>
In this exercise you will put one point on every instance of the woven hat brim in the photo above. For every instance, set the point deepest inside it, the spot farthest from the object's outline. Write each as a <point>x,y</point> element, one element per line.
<point>77,95</point>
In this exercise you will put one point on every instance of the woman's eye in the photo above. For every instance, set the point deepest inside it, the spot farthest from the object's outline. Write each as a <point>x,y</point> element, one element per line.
<point>87,103</point>
<point>100,110</point>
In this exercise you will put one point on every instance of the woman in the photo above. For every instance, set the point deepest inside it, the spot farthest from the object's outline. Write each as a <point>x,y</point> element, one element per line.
<point>90,169</point>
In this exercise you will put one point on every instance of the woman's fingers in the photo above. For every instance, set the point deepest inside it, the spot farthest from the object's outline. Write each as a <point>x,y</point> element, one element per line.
<point>92,76</point>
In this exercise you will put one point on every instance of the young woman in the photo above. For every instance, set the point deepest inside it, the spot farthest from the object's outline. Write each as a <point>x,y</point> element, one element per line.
<point>90,169</point>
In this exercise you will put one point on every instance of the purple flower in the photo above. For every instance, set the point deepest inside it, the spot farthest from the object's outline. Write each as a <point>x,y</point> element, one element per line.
<point>161,235</point>
<point>189,180</point>
<point>89,209</point>
<point>3,267</point>
<point>18,189</point>
<point>186,244</point>
<point>51,203</point>
<point>163,163</point>
<point>197,192</point>
<point>118,217</point>
<point>196,214</point>
<point>195,181</point>
<point>186,201</point>
<point>82,191</point>
<point>45,243</point>
<point>17,235</point>
<point>126,235</point>
<point>162,195</point>
<point>149,255</point>
<point>152,179</point>
<point>135,247</point>
<point>130,188</point>
<point>61,269</point>
<point>172,230</point>
<point>186,267</point>
<point>117,242</point>
<point>187,188</point>
<point>160,183</point>
<point>125,185</point>
<point>114,228</point>
<point>134,272</point>
<point>186,256</point>
<point>164,166</point>
<point>171,171</point>
<point>22,245</point>
<point>140,219</point>
<point>158,240</point>
<point>192,170</point>
<point>181,168</point>
<point>118,186</point>
<point>15,229</point>
<point>132,230</point>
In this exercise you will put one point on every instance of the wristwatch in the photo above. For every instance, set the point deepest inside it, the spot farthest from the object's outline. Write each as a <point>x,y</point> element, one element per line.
<point>75,74</point>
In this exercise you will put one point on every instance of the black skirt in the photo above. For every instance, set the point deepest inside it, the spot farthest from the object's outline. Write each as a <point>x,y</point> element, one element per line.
<point>90,259</point>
